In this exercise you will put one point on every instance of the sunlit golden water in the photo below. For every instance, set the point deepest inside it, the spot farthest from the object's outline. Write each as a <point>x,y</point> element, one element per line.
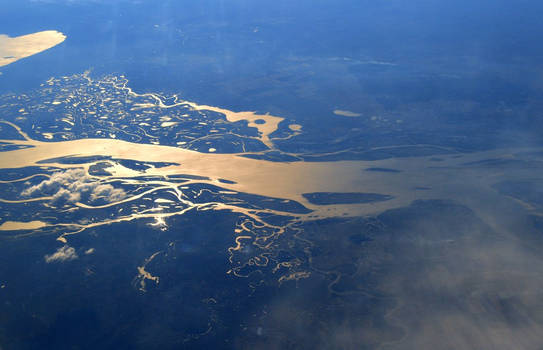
<point>14,49</point>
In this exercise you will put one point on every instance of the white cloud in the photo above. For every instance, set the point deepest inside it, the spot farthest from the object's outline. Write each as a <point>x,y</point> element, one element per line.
<point>64,253</point>
<point>108,192</point>
<point>74,185</point>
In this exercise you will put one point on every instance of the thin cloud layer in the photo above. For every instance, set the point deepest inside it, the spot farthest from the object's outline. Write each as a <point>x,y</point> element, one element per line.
<point>74,185</point>
<point>64,253</point>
